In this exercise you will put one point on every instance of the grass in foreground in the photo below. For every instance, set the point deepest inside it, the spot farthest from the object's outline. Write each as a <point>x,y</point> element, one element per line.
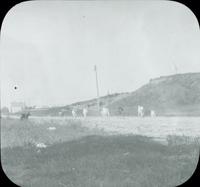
<point>101,161</point>
<point>15,132</point>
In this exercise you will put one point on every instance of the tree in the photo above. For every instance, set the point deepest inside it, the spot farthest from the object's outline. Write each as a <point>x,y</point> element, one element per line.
<point>5,110</point>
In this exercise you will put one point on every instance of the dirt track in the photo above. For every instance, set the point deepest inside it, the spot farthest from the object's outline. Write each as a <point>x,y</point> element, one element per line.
<point>158,127</point>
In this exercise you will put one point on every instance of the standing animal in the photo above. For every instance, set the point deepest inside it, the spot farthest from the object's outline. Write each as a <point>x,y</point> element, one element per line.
<point>120,110</point>
<point>140,111</point>
<point>105,112</point>
<point>25,115</point>
<point>153,114</point>
<point>85,111</point>
<point>74,113</point>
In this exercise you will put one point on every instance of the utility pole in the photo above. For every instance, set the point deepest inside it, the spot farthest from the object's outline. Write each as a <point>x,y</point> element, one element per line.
<point>175,68</point>
<point>97,86</point>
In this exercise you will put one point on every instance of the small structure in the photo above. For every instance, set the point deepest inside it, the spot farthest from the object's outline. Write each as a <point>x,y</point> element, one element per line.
<point>17,107</point>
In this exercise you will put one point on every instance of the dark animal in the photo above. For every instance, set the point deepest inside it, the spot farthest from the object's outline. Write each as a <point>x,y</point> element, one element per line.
<point>25,116</point>
<point>120,110</point>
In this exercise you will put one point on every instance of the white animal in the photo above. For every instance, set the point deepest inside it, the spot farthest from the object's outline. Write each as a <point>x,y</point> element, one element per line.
<point>41,145</point>
<point>51,128</point>
<point>105,112</point>
<point>153,114</point>
<point>140,111</point>
<point>73,113</point>
<point>85,111</point>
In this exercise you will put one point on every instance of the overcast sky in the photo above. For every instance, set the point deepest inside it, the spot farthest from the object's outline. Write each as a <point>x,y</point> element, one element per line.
<point>49,49</point>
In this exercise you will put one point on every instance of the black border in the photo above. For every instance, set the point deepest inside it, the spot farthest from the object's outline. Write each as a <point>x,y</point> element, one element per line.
<point>6,5</point>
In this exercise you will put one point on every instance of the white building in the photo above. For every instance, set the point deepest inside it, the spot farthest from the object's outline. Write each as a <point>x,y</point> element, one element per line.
<point>17,107</point>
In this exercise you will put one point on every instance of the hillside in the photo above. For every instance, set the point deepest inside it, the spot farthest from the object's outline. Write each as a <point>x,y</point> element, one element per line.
<point>91,104</point>
<point>168,95</point>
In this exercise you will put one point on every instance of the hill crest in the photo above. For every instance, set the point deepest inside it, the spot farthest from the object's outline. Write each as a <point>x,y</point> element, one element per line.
<point>173,95</point>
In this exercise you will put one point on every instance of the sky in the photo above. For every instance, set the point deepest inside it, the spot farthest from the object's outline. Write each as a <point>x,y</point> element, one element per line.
<point>48,49</point>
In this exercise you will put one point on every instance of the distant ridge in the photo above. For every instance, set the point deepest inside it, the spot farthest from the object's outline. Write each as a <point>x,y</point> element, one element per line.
<point>173,95</point>
<point>177,94</point>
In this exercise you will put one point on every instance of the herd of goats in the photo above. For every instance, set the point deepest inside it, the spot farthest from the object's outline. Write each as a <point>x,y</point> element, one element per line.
<point>104,112</point>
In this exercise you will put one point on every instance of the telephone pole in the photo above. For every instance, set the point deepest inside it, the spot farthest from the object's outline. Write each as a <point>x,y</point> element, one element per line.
<point>97,87</point>
<point>175,68</point>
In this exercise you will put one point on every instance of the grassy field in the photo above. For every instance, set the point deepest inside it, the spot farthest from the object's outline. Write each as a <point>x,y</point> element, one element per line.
<point>80,157</point>
<point>15,132</point>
